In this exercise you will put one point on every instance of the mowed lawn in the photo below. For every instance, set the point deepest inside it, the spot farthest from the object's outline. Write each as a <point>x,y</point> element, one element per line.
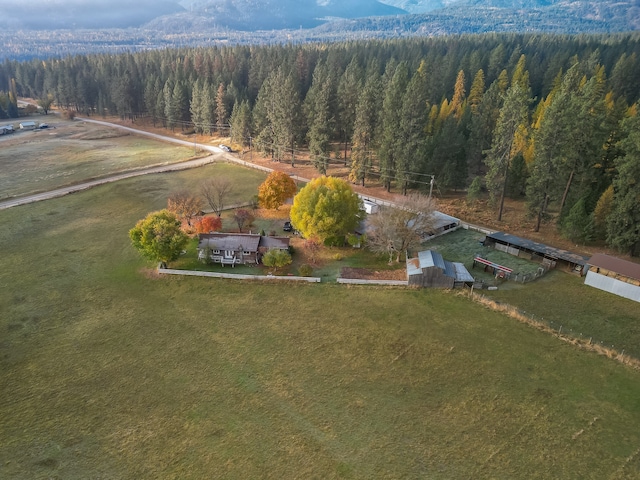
<point>70,152</point>
<point>108,371</point>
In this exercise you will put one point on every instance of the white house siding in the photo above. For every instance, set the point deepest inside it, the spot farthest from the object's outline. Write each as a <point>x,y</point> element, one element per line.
<point>612,285</point>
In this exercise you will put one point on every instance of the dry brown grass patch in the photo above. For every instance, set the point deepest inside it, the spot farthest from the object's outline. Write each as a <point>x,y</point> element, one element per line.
<point>100,134</point>
<point>270,214</point>
<point>150,273</point>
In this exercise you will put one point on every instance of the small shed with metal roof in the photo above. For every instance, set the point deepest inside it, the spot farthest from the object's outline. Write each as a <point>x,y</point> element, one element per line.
<point>429,269</point>
<point>614,275</point>
<point>549,257</point>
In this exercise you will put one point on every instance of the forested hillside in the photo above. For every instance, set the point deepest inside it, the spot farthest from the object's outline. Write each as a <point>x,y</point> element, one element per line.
<point>550,119</point>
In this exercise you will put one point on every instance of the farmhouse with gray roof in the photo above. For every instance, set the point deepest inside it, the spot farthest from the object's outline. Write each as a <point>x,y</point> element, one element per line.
<point>237,248</point>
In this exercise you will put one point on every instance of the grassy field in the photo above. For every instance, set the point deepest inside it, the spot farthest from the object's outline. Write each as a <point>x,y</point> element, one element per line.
<point>108,371</point>
<point>70,152</point>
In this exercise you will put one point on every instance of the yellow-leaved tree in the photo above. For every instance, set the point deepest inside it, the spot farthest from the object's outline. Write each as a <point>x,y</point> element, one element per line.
<point>327,207</point>
<point>275,190</point>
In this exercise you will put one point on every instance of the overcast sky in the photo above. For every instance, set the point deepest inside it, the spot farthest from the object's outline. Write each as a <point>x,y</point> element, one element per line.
<point>51,14</point>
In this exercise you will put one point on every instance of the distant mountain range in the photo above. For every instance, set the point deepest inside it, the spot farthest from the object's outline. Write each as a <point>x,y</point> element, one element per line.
<point>62,27</point>
<point>275,14</point>
<point>251,15</point>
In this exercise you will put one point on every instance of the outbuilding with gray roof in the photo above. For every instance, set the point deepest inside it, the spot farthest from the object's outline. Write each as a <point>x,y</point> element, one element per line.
<point>429,269</point>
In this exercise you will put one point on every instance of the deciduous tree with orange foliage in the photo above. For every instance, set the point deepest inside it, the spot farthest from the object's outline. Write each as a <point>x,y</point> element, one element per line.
<point>208,225</point>
<point>275,190</point>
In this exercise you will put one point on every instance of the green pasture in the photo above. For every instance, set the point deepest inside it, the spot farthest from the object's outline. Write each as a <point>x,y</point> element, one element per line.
<point>108,370</point>
<point>73,152</point>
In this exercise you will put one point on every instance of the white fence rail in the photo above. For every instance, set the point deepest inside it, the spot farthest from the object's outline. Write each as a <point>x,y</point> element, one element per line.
<point>237,276</point>
<point>357,281</point>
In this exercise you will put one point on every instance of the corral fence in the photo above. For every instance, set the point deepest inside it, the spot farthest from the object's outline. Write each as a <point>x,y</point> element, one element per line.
<point>513,277</point>
<point>557,329</point>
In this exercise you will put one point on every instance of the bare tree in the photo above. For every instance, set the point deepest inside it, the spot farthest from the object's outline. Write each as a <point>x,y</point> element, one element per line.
<point>215,191</point>
<point>243,218</point>
<point>394,230</point>
<point>185,205</point>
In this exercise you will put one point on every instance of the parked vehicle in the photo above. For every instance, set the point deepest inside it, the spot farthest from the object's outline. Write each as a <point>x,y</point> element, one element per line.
<point>287,227</point>
<point>224,148</point>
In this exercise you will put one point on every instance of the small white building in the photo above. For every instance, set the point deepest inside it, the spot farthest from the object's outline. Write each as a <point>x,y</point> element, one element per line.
<point>614,275</point>
<point>370,207</point>
<point>28,125</point>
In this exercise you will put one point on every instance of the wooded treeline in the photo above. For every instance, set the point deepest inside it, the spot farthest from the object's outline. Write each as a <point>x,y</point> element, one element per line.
<point>549,118</point>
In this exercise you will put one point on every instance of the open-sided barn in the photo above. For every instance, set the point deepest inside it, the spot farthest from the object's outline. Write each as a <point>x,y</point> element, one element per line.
<point>429,269</point>
<point>614,275</point>
<point>443,223</point>
<point>549,257</point>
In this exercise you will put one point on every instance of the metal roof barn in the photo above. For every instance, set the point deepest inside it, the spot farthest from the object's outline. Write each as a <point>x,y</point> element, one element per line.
<point>429,269</point>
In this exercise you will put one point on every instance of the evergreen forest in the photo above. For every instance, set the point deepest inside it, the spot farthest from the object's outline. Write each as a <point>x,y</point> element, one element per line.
<point>550,119</point>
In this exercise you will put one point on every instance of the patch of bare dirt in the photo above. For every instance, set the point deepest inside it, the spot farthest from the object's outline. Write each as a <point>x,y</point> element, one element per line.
<point>369,274</point>
<point>150,273</point>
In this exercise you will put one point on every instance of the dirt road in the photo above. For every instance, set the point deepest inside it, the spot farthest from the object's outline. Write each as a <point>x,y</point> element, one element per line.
<point>218,155</point>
